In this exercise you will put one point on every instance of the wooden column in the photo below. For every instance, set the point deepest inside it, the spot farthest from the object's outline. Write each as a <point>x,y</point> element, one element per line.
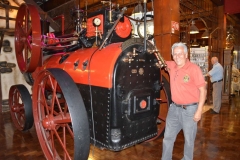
<point>166,12</point>
<point>227,66</point>
<point>225,57</point>
<point>0,94</point>
<point>222,24</point>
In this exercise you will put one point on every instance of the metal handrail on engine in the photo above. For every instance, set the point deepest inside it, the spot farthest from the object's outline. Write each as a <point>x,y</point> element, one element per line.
<point>145,25</point>
<point>113,27</point>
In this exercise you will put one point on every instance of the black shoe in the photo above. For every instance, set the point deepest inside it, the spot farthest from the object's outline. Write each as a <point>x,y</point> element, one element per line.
<point>213,112</point>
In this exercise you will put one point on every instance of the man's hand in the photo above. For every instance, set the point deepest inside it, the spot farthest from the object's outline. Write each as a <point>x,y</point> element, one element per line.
<point>197,116</point>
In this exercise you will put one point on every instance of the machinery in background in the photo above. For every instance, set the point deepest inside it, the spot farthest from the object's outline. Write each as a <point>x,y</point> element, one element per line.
<point>138,24</point>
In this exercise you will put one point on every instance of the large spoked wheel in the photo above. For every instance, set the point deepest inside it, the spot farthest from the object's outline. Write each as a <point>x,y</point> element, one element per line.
<point>20,104</point>
<point>60,116</point>
<point>27,38</point>
<point>165,101</point>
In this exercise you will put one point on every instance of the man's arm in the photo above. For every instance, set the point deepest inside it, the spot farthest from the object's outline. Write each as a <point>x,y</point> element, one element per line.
<point>207,75</point>
<point>202,98</point>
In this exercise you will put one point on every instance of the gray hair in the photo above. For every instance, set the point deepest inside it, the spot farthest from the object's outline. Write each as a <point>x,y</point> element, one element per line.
<point>180,44</point>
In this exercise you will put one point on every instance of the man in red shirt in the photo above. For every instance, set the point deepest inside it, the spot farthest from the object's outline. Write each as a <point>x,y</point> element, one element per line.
<point>188,89</point>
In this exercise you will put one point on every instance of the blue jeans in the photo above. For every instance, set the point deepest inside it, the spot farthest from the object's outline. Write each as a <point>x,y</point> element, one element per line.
<point>179,118</point>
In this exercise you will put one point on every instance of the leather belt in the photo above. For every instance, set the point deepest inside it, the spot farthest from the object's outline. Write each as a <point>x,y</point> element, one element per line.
<point>217,81</point>
<point>184,106</point>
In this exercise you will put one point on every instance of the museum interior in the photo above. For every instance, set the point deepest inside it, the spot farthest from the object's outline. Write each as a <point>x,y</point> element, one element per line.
<point>59,99</point>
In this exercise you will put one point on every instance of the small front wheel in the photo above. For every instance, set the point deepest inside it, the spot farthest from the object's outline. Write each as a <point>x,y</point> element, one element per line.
<point>20,104</point>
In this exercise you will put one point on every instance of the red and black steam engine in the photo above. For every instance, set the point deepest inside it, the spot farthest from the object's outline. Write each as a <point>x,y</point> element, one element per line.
<point>97,85</point>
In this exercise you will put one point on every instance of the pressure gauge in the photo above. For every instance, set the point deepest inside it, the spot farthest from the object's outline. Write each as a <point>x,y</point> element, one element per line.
<point>149,28</point>
<point>96,22</point>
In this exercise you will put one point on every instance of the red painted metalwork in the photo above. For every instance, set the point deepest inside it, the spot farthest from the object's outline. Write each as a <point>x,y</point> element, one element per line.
<point>46,116</point>
<point>17,109</point>
<point>91,30</point>
<point>28,38</point>
<point>55,121</point>
<point>101,70</point>
<point>20,105</point>
<point>52,39</point>
<point>123,29</point>
<point>143,104</point>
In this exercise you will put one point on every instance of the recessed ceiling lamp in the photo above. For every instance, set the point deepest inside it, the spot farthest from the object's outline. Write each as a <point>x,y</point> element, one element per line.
<point>193,28</point>
<point>205,34</point>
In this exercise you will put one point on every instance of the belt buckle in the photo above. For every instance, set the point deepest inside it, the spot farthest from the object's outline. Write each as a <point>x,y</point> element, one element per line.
<point>184,106</point>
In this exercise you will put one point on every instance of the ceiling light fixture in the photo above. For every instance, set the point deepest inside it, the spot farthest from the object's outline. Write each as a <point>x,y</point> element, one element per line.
<point>205,34</point>
<point>193,28</point>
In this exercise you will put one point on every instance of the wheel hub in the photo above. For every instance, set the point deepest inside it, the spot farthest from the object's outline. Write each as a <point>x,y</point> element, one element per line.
<point>16,108</point>
<point>50,122</point>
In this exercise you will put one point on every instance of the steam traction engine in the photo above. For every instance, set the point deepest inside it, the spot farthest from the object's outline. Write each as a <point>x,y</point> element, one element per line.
<point>97,85</point>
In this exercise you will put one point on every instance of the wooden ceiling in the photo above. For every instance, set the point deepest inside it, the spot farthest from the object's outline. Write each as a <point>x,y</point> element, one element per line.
<point>218,2</point>
<point>90,5</point>
<point>51,4</point>
<point>202,8</point>
<point>189,9</point>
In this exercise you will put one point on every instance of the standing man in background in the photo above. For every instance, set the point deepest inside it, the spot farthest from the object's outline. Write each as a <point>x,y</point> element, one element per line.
<point>188,90</point>
<point>216,76</point>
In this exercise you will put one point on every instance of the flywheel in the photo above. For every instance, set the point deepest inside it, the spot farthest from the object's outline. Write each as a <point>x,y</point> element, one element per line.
<point>28,38</point>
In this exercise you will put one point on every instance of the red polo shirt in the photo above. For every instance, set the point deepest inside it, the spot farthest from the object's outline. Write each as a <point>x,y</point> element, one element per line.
<point>185,82</point>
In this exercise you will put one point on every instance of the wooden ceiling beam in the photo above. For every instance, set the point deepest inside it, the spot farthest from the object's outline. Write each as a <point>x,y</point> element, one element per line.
<point>44,15</point>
